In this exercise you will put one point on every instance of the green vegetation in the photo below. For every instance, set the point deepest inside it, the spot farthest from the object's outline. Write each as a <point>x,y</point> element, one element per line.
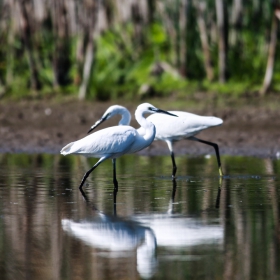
<point>156,51</point>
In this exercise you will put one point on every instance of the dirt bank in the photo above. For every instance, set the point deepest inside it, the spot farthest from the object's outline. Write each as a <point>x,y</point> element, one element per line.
<point>46,126</point>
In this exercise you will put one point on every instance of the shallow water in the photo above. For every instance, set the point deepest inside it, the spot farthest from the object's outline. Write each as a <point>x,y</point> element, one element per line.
<point>198,227</point>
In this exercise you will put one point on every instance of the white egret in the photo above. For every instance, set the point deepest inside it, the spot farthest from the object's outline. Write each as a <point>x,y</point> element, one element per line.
<point>115,141</point>
<point>170,130</point>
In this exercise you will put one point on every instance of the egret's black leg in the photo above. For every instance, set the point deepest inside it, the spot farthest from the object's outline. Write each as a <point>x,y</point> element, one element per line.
<point>174,165</point>
<point>219,194</point>
<point>84,195</point>
<point>171,203</point>
<point>114,175</point>
<point>115,202</point>
<point>216,147</point>
<point>218,198</point>
<point>88,172</point>
<point>170,147</point>
<point>174,189</point>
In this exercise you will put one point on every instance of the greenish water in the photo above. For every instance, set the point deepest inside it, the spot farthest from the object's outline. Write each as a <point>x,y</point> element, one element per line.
<point>197,228</point>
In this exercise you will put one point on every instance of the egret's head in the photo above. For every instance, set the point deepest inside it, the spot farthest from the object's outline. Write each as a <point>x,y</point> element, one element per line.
<point>149,108</point>
<point>110,112</point>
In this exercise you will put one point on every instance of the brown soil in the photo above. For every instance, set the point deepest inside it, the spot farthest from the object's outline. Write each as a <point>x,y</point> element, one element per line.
<point>46,126</point>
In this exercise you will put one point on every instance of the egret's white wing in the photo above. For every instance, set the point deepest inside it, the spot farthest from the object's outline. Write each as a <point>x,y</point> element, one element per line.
<point>111,140</point>
<point>184,126</point>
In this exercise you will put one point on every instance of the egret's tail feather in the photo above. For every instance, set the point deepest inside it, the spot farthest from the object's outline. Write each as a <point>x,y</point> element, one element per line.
<point>213,121</point>
<point>67,149</point>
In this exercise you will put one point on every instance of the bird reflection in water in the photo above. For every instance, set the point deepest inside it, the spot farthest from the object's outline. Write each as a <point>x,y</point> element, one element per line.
<point>114,234</point>
<point>143,233</point>
<point>176,230</point>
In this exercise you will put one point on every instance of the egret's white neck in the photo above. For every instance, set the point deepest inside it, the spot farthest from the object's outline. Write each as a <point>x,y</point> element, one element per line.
<point>126,117</point>
<point>148,130</point>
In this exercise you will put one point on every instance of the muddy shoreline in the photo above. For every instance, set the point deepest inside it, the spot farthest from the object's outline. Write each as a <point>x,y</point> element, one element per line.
<point>46,126</point>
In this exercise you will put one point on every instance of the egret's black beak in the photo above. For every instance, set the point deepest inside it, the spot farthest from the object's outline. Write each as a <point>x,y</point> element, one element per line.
<point>165,112</point>
<point>97,124</point>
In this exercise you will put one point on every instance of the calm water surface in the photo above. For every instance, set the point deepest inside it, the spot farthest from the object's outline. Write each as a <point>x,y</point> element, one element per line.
<point>195,228</point>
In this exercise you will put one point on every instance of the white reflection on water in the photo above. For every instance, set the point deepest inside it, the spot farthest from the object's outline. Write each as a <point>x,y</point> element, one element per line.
<point>176,231</point>
<point>121,237</point>
<point>142,233</point>
<point>173,230</point>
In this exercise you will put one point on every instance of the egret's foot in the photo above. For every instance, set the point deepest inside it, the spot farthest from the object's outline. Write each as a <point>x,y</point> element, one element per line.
<point>221,172</point>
